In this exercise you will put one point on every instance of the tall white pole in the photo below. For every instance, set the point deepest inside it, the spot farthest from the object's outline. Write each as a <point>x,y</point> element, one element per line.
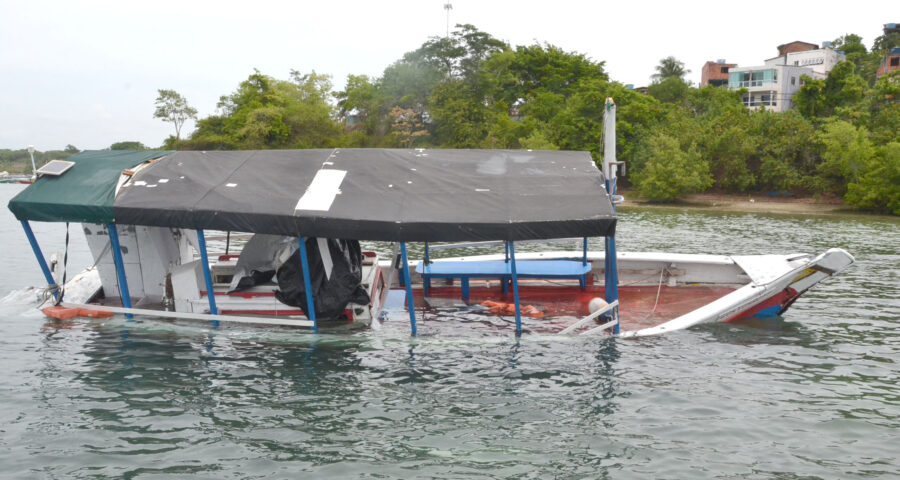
<point>609,140</point>
<point>448,7</point>
<point>33,168</point>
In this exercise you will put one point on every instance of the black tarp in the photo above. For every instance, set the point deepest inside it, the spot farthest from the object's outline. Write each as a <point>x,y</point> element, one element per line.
<point>335,282</point>
<point>385,194</point>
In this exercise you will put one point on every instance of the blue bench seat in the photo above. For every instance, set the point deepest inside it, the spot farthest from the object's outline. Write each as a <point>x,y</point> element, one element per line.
<point>464,270</point>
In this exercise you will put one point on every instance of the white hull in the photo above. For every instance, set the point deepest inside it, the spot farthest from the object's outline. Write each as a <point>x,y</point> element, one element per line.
<point>757,285</point>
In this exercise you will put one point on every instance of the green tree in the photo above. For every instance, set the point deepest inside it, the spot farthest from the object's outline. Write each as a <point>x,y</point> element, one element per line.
<point>128,146</point>
<point>172,107</point>
<point>71,149</point>
<point>847,153</point>
<point>884,43</point>
<point>852,46</point>
<point>362,100</point>
<point>670,171</point>
<point>879,187</point>
<point>268,113</point>
<point>884,108</point>
<point>460,117</point>
<point>669,67</point>
<point>841,93</point>
<point>670,90</point>
<point>460,55</point>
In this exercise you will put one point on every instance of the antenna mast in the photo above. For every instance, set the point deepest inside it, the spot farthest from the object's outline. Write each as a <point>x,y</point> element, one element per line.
<point>448,7</point>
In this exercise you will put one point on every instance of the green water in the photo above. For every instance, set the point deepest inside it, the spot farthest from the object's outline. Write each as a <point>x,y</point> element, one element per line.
<point>811,395</point>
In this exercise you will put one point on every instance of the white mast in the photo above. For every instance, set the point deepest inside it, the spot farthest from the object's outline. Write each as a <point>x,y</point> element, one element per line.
<point>448,7</point>
<point>610,165</point>
<point>33,168</point>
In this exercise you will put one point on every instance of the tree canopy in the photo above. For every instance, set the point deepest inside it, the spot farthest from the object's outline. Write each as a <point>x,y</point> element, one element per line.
<point>471,90</point>
<point>172,107</point>
<point>669,67</point>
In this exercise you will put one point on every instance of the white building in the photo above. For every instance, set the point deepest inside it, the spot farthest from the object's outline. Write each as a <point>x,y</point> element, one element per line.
<point>774,84</point>
<point>769,86</point>
<point>820,60</point>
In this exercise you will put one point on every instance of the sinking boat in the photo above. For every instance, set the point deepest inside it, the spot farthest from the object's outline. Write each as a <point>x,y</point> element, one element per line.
<point>147,217</point>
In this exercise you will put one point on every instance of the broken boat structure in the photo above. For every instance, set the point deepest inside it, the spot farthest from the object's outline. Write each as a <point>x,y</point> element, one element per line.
<point>147,217</point>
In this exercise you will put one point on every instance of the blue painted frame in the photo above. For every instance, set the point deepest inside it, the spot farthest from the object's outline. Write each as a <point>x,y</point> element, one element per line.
<point>307,284</point>
<point>515,282</point>
<point>611,276</point>
<point>210,293</point>
<point>411,305</point>
<point>120,266</point>
<point>51,282</point>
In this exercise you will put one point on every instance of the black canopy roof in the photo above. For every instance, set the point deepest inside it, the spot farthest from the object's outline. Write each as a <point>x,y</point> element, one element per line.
<point>374,194</point>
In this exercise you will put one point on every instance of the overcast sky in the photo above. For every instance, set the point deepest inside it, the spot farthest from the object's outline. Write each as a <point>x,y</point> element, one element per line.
<point>86,72</point>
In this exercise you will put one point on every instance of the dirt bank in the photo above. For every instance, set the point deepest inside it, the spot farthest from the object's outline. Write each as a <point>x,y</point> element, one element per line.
<point>747,203</point>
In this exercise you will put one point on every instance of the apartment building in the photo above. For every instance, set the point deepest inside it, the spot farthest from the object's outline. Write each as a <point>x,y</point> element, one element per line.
<point>773,84</point>
<point>715,73</point>
<point>769,86</point>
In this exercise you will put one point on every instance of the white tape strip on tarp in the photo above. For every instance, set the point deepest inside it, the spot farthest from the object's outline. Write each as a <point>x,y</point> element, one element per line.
<point>321,191</point>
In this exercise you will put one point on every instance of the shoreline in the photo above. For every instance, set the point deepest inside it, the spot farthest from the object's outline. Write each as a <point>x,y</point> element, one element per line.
<point>748,203</point>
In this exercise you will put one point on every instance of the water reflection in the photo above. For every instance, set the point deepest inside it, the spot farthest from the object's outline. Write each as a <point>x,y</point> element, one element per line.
<point>171,397</point>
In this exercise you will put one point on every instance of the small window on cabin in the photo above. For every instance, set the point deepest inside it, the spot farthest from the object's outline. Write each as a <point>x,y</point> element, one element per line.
<point>895,61</point>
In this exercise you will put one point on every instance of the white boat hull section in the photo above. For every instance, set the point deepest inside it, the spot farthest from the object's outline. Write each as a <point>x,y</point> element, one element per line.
<point>771,275</point>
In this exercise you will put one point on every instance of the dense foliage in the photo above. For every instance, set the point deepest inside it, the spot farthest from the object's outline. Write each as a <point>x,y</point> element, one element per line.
<point>470,90</point>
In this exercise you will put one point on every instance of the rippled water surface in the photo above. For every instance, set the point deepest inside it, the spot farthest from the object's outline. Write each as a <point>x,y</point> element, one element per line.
<point>812,395</point>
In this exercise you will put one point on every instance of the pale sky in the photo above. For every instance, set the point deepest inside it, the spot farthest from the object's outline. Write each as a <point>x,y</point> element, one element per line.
<point>86,72</point>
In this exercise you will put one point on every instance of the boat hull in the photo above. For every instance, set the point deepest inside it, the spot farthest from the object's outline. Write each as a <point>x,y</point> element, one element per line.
<point>658,292</point>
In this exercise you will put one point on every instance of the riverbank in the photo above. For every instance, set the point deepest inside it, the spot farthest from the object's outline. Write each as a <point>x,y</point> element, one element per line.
<point>746,203</point>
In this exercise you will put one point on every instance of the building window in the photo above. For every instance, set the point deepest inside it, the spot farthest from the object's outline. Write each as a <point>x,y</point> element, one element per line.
<point>762,99</point>
<point>724,69</point>
<point>754,78</point>
<point>895,62</point>
<point>793,81</point>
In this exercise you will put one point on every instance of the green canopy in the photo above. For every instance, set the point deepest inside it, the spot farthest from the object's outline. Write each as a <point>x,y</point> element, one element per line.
<point>84,193</point>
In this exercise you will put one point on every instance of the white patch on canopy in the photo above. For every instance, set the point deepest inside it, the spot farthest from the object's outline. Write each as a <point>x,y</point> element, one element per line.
<point>321,191</point>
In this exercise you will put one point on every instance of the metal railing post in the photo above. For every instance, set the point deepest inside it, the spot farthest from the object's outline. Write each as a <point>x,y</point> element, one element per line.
<point>210,293</point>
<point>307,285</point>
<point>409,294</point>
<point>120,267</point>
<point>515,282</point>
<point>40,258</point>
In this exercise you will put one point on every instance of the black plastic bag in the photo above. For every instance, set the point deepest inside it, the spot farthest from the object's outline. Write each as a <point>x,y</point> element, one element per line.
<point>331,292</point>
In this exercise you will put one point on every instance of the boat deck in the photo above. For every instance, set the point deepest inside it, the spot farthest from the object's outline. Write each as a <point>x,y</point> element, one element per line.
<point>560,303</point>
<point>638,304</point>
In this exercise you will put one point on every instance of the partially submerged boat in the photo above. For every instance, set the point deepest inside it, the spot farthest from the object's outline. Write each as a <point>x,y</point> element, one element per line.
<point>146,215</point>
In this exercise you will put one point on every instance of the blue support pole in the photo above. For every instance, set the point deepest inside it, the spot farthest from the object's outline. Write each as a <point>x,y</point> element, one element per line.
<point>210,293</point>
<point>426,282</point>
<point>40,258</point>
<point>120,267</point>
<point>409,294</point>
<point>611,276</point>
<point>515,282</point>
<point>307,285</point>
<point>584,248</point>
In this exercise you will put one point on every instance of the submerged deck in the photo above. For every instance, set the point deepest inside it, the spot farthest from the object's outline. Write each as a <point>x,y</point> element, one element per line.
<point>563,304</point>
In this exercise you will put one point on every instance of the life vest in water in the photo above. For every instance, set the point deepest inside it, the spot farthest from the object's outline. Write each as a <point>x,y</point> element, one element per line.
<point>503,308</point>
<point>60,312</point>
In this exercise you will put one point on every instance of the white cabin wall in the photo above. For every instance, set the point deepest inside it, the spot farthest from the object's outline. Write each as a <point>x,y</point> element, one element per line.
<point>148,253</point>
